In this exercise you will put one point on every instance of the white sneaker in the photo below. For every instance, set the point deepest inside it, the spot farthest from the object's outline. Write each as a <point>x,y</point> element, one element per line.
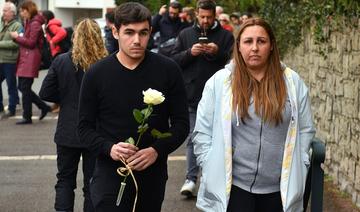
<point>188,189</point>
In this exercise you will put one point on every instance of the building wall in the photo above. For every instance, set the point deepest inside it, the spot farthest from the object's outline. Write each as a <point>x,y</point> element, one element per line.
<point>334,85</point>
<point>70,11</point>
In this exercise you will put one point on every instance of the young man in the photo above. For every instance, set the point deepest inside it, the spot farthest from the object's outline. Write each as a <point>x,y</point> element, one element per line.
<point>200,50</point>
<point>111,89</point>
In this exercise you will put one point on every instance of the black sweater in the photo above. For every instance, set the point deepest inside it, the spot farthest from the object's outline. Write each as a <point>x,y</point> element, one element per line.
<point>110,92</point>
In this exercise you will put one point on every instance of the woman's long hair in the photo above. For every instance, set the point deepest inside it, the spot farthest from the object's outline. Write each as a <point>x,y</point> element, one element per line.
<point>88,45</point>
<point>269,94</point>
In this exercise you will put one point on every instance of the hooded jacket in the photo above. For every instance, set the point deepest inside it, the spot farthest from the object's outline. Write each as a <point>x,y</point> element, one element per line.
<point>213,149</point>
<point>198,69</point>
<point>54,34</point>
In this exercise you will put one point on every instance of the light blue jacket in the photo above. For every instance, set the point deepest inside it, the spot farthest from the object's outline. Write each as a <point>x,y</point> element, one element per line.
<point>212,143</point>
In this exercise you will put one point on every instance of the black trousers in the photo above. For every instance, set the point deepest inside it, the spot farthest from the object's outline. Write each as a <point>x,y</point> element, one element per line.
<point>29,97</point>
<point>67,162</point>
<point>106,183</point>
<point>244,201</point>
<point>150,198</point>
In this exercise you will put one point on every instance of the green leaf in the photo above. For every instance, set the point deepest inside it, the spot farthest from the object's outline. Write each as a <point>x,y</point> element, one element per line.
<point>165,135</point>
<point>130,141</point>
<point>157,134</point>
<point>147,112</point>
<point>139,117</point>
<point>143,128</point>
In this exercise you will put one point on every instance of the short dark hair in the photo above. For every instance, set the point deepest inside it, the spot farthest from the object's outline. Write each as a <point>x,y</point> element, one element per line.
<point>48,15</point>
<point>206,5</point>
<point>110,16</point>
<point>131,12</point>
<point>176,5</point>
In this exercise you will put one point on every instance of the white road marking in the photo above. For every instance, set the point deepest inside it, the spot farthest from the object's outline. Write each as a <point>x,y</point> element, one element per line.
<point>35,117</point>
<point>53,157</point>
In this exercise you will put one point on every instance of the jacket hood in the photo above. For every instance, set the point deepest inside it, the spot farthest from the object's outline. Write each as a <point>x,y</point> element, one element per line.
<point>55,21</point>
<point>216,26</point>
<point>230,66</point>
<point>38,18</point>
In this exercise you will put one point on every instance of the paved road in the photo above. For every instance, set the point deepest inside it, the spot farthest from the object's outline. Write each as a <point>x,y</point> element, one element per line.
<point>28,167</point>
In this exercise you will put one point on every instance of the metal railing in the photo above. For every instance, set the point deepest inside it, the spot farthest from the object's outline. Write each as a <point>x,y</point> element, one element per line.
<point>315,179</point>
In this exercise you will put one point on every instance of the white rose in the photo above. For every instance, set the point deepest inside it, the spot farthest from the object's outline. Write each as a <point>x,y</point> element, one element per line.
<point>153,97</point>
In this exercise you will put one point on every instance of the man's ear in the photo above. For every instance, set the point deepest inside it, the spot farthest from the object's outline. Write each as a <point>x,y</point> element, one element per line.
<point>115,32</point>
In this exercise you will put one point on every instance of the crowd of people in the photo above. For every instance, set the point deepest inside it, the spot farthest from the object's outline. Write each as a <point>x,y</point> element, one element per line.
<point>244,115</point>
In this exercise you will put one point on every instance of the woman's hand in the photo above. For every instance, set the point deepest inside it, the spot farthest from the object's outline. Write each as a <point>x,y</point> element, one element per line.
<point>14,35</point>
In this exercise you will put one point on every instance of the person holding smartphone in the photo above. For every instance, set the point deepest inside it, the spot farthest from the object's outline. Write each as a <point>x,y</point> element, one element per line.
<point>200,50</point>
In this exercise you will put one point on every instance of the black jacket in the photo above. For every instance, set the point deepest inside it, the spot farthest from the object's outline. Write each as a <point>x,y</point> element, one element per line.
<point>62,85</point>
<point>198,69</point>
<point>111,43</point>
<point>168,28</point>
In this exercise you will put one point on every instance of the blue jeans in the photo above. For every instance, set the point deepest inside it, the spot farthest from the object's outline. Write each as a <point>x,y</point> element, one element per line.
<point>7,72</point>
<point>192,168</point>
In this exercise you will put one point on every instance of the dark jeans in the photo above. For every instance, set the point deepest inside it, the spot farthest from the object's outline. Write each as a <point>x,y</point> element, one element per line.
<point>192,169</point>
<point>7,72</point>
<point>67,163</point>
<point>243,201</point>
<point>29,97</point>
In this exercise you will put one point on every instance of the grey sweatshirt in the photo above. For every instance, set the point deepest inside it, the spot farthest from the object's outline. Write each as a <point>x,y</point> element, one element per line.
<point>258,152</point>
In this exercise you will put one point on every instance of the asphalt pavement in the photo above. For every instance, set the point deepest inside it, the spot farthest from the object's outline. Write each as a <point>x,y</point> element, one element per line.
<point>28,166</point>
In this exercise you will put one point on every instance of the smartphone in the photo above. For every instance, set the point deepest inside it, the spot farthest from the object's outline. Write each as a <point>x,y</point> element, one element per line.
<point>203,39</point>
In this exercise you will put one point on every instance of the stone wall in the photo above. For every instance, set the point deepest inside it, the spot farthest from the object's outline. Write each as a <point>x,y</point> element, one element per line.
<point>334,84</point>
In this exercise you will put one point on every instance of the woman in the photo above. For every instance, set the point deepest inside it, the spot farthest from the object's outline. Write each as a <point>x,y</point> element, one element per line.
<point>62,86</point>
<point>54,32</point>
<point>29,60</point>
<point>253,130</point>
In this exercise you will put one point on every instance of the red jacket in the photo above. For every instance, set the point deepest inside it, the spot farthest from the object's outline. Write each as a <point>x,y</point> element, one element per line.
<point>54,34</point>
<point>30,44</point>
<point>228,27</point>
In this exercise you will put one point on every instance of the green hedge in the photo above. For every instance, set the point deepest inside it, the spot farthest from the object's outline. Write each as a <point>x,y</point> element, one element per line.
<point>289,17</point>
<point>321,17</point>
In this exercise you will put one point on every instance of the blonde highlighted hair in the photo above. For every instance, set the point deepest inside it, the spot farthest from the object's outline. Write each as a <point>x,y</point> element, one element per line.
<point>269,94</point>
<point>88,45</point>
